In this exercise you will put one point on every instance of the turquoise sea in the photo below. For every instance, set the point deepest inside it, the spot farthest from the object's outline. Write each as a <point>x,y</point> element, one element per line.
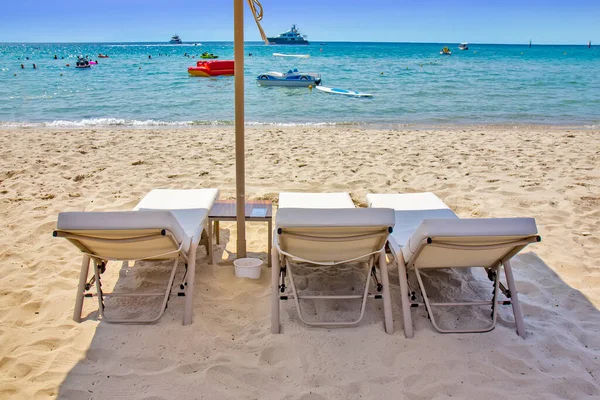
<point>412,85</point>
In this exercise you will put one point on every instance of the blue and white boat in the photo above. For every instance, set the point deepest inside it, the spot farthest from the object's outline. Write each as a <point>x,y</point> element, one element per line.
<point>292,78</point>
<point>292,36</point>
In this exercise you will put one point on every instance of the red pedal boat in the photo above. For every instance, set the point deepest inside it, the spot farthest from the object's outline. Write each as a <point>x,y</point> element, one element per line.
<point>212,68</point>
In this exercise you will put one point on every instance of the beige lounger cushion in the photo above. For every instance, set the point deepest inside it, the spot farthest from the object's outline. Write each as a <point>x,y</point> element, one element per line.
<point>189,206</point>
<point>315,200</point>
<point>480,231</point>
<point>178,199</point>
<point>181,212</point>
<point>422,215</point>
<point>410,209</point>
<point>407,201</point>
<point>332,223</point>
<point>125,225</point>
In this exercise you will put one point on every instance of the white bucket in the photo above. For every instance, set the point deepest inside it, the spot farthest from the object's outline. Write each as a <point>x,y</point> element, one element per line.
<point>247,267</point>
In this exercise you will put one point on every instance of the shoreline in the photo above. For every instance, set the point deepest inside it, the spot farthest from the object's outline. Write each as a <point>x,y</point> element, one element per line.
<point>166,125</point>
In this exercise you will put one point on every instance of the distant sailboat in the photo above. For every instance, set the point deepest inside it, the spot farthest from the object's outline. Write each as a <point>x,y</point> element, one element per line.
<point>589,44</point>
<point>529,43</point>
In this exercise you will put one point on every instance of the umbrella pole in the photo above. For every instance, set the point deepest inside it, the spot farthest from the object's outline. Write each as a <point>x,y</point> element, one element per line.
<point>240,179</point>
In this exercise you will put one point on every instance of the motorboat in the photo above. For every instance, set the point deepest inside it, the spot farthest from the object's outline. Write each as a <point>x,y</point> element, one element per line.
<point>445,51</point>
<point>175,39</point>
<point>208,55</point>
<point>82,63</point>
<point>463,46</point>
<point>292,78</point>
<point>292,36</point>
<point>212,68</point>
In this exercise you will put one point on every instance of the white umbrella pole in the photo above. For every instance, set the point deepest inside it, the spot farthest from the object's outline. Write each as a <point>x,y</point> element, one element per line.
<point>240,178</point>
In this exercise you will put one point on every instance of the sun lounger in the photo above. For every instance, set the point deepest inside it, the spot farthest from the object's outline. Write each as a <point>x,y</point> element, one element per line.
<point>324,229</point>
<point>165,225</point>
<point>427,235</point>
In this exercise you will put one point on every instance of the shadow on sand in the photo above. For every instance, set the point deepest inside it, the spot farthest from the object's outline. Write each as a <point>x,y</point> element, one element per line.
<point>228,351</point>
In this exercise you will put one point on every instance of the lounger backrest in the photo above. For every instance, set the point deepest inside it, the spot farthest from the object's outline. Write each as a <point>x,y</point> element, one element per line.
<point>123,235</point>
<point>445,243</point>
<point>332,235</point>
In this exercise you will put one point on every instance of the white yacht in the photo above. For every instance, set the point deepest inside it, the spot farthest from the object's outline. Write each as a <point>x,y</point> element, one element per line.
<point>463,46</point>
<point>292,36</point>
<point>175,39</point>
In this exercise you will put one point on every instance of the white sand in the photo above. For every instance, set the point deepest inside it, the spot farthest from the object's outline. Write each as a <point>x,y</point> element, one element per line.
<point>552,174</point>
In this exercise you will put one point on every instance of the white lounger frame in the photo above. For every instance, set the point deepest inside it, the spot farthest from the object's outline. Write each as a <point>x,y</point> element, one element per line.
<point>374,259</point>
<point>99,264</point>
<point>511,293</point>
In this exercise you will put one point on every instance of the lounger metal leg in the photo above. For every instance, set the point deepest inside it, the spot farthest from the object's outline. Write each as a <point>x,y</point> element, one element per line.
<point>275,271</point>
<point>97,278</point>
<point>404,298</point>
<point>85,267</point>
<point>270,240</point>
<point>209,247</point>
<point>514,299</point>
<point>189,290</point>
<point>363,296</point>
<point>101,295</point>
<point>387,301</point>
<point>493,303</point>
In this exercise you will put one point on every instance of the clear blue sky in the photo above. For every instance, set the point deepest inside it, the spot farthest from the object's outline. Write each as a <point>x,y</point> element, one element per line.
<point>475,21</point>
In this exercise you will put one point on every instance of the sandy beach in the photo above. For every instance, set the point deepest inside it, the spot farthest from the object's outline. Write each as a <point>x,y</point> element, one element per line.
<point>549,173</point>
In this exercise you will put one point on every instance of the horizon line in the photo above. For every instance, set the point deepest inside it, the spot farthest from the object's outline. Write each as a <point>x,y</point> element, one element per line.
<point>313,42</point>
